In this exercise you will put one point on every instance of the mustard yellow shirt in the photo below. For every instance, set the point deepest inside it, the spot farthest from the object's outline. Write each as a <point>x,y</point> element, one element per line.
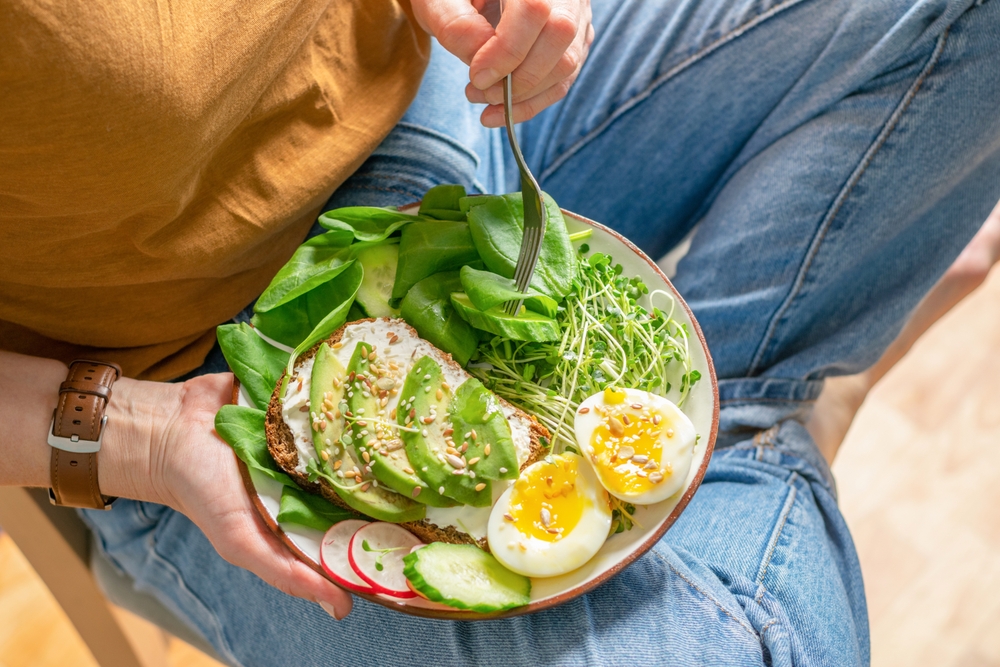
<point>160,160</point>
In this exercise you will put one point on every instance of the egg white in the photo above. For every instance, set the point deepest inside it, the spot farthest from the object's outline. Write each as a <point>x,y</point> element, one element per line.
<point>533,557</point>
<point>676,454</point>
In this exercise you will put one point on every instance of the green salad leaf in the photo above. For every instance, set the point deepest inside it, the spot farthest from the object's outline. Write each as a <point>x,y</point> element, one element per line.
<point>427,248</point>
<point>315,262</point>
<point>442,203</point>
<point>256,363</point>
<point>242,429</point>
<point>366,223</point>
<point>486,290</point>
<point>312,511</point>
<point>427,308</point>
<point>497,226</point>
<point>293,322</point>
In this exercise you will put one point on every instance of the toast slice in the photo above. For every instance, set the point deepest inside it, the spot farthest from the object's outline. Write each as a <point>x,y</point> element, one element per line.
<point>281,440</point>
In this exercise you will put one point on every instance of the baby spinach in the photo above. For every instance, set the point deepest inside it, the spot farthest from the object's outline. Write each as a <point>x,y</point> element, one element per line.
<point>442,203</point>
<point>486,290</point>
<point>292,322</point>
<point>242,429</point>
<point>427,307</point>
<point>312,511</point>
<point>366,223</point>
<point>427,248</point>
<point>348,288</point>
<point>255,362</point>
<point>497,226</point>
<point>316,261</point>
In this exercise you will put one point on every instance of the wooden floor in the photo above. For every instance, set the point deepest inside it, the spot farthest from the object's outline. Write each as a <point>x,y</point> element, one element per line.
<point>919,480</point>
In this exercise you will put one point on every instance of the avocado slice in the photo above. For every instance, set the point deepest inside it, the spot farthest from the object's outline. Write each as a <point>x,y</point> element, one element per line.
<point>389,462</point>
<point>479,422</point>
<point>425,397</point>
<point>526,325</point>
<point>326,394</point>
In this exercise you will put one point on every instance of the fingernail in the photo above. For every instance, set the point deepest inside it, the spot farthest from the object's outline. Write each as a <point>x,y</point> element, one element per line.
<point>485,78</point>
<point>330,609</point>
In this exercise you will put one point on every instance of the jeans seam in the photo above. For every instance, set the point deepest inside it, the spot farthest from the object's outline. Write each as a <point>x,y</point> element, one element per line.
<point>890,125</point>
<point>772,543</point>
<point>635,100</point>
<point>695,586</point>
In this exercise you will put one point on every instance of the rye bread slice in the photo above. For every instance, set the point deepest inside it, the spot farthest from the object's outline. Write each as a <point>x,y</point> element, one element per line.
<point>281,445</point>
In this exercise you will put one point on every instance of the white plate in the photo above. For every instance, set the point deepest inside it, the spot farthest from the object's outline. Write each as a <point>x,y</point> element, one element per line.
<point>652,521</point>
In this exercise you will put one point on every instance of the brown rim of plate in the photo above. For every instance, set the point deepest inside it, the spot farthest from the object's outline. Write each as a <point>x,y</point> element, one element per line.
<point>566,596</point>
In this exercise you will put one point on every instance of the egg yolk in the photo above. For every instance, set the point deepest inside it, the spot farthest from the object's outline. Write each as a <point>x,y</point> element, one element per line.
<point>546,503</point>
<point>628,447</point>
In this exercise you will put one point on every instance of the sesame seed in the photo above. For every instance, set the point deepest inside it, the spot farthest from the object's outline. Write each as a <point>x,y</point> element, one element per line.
<point>408,471</point>
<point>509,518</point>
<point>365,486</point>
<point>424,433</point>
<point>427,390</point>
<point>458,471</point>
<point>304,408</point>
<point>337,464</point>
<point>626,420</point>
<point>503,471</point>
<point>486,449</point>
<point>584,410</point>
<point>480,486</point>
<point>439,394</point>
<point>473,461</point>
<point>440,488</point>
<point>473,434</point>
<point>415,492</point>
<point>322,425</point>
<point>325,455</point>
<point>464,447</point>
<point>670,432</point>
<point>445,386</point>
<point>366,456</point>
<point>338,345</point>
<point>637,406</point>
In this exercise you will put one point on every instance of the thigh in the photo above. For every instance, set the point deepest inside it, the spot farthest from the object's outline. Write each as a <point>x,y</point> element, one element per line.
<point>678,94</point>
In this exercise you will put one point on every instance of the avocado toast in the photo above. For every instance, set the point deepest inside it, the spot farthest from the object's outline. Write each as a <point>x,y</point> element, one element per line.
<point>377,420</point>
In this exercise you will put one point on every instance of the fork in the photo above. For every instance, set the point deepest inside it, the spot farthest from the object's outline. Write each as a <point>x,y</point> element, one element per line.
<point>535,215</point>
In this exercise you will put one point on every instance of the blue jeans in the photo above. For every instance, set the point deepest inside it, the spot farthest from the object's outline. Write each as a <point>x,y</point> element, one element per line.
<point>836,156</point>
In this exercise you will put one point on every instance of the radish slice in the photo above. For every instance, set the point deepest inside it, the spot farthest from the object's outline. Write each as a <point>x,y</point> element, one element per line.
<point>376,554</point>
<point>333,555</point>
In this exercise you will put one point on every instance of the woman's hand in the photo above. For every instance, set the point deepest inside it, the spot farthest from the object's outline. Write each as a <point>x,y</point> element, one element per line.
<point>543,42</point>
<point>193,471</point>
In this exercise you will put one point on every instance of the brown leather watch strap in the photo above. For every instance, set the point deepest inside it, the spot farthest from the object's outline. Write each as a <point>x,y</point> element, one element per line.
<point>76,434</point>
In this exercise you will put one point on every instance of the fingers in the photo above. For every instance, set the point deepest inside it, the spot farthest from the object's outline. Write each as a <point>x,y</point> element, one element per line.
<point>520,27</point>
<point>456,24</point>
<point>250,545</point>
<point>493,116</point>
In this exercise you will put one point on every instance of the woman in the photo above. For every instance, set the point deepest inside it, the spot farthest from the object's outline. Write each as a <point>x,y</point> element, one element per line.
<point>159,164</point>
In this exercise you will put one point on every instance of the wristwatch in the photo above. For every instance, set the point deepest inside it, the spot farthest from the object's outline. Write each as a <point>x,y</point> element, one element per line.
<point>77,432</point>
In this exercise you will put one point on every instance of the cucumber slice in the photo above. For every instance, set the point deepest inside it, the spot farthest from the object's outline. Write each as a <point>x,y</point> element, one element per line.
<point>465,577</point>
<point>379,263</point>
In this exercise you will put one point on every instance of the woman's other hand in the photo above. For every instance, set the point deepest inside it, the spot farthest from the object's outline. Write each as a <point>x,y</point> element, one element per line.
<point>193,471</point>
<point>543,42</point>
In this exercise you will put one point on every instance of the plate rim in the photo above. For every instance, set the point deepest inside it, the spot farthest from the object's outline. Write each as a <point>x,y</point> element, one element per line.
<point>576,591</point>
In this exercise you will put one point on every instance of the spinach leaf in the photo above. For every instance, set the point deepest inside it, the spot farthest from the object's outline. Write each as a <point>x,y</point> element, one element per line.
<point>316,261</point>
<point>427,308</point>
<point>486,290</point>
<point>255,362</point>
<point>427,248</point>
<point>243,429</point>
<point>442,202</point>
<point>334,319</point>
<point>497,225</point>
<point>307,509</point>
<point>366,223</point>
<point>292,322</point>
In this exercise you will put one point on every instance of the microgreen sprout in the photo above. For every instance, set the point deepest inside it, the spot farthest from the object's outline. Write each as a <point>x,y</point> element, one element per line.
<point>381,553</point>
<point>613,333</point>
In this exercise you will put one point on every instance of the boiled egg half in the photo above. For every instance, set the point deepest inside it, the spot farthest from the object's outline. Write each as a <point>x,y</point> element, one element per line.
<point>552,520</point>
<point>639,444</point>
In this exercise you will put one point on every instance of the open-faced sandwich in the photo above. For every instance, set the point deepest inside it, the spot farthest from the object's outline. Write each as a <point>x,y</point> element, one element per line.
<point>447,449</point>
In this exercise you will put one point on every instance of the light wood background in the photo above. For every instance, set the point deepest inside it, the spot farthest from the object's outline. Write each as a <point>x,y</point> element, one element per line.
<point>919,482</point>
